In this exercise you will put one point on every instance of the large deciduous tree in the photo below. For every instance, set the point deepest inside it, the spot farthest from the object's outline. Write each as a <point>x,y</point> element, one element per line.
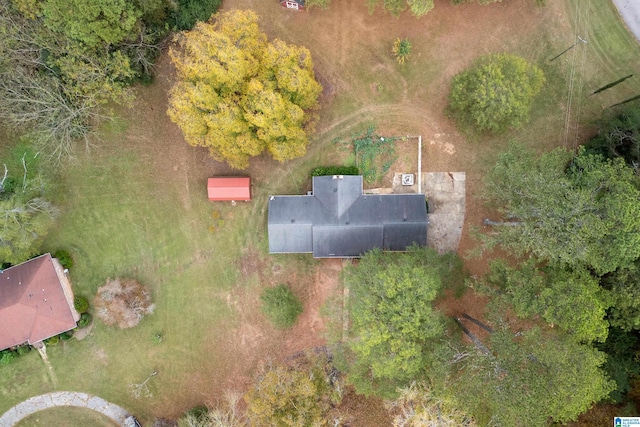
<point>578,210</point>
<point>496,93</point>
<point>394,326</point>
<point>61,62</point>
<point>619,136</point>
<point>531,377</point>
<point>294,396</point>
<point>240,95</point>
<point>568,298</point>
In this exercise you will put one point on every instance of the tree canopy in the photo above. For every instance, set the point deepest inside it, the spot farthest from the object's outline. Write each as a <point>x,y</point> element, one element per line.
<point>238,94</point>
<point>619,136</point>
<point>393,323</point>
<point>530,377</point>
<point>568,298</point>
<point>62,62</point>
<point>578,210</point>
<point>496,93</point>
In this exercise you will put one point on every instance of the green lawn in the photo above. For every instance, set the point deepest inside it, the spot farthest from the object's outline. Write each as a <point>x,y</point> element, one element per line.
<point>66,417</point>
<point>136,205</point>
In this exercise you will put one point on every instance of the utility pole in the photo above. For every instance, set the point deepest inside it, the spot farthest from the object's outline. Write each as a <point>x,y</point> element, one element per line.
<point>580,39</point>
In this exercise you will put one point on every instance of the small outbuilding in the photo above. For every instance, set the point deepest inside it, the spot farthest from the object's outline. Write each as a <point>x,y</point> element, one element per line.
<point>293,4</point>
<point>232,188</point>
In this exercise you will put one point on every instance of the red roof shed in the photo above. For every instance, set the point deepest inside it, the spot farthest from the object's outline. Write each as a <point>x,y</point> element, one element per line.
<point>229,188</point>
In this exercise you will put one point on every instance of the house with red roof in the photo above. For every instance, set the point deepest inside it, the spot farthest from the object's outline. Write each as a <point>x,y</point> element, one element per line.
<point>36,302</point>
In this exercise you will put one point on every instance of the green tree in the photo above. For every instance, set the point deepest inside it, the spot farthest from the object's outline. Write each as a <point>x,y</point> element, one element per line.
<point>92,22</point>
<point>619,136</point>
<point>62,62</point>
<point>576,211</point>
<point>496,93</point>
<point>531,377</point>
<point>393,323</point>
<point>570,299</point>
<point>239,95</point>
<point>624,287</point>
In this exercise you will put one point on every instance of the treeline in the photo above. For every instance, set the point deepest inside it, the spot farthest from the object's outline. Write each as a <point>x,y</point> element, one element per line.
<point>63,61</point>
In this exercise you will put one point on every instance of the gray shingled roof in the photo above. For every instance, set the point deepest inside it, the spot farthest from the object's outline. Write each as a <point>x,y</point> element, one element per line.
<point>338,220</point>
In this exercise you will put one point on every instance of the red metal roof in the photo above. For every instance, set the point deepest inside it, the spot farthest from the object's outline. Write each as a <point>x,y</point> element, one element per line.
<point>229,188</point>
<point>33,305</point>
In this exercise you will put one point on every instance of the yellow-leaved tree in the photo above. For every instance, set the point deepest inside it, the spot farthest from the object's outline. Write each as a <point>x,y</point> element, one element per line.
<point>238,94</point>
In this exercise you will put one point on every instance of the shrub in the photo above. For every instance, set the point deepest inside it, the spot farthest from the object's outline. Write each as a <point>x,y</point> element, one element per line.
<point>188,12</point>
<point>7,356</point>
<point>66,336</point>
<point>23,349</point>
<point>85,320</point>
<point>64,257</point>
<point>401,50</point>
<point>281,306</point>
<point>53,340</point>
<point>496,93</point>
<point>335,170</point>
<point>123,302</point>
<point>81,304</point>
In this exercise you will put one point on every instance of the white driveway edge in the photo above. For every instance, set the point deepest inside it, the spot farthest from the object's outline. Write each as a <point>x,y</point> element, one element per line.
<point>629,10</point>
<point>63,398</point>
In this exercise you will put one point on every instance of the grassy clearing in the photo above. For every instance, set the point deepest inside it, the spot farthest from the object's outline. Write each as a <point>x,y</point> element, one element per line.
<point>137,205</point>
<point>66,417</point>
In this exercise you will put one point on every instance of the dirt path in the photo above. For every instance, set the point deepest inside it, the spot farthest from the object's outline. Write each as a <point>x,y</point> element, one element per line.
<point>63,398</point>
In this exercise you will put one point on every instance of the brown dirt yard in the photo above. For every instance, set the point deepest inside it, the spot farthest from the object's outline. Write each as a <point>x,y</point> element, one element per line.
<point>363,85</point>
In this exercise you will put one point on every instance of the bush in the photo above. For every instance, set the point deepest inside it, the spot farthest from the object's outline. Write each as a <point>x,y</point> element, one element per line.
<point>401,50</point>
<point>335,170</point>
<point>496,93</point>
<point>188,12</point>
<point>64,257</point>
<point>281,306</point>
<point>85,320</point>
<point>23,349</point>
<point>7,356</point>
<point>66,336</point>
<point>81,304</point>
<point>52,341</point>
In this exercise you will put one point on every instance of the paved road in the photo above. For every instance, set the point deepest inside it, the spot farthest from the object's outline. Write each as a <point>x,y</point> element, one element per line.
<point>62,398</point>
<point>630,12</point>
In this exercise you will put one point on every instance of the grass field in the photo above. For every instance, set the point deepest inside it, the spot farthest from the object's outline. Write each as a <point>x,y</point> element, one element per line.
<point>66,417</point>
<point>136,206</point>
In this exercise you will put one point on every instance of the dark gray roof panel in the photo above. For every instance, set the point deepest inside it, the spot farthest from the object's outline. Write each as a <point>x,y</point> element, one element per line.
<point>297,209</point>
<point>337,193</point>
<point>399,236</point>
<point>290,238</point>
<point>378,208</point>
<point>345,241</point>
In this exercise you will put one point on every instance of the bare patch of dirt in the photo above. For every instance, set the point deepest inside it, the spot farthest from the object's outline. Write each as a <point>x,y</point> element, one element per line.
<point>251,263</point>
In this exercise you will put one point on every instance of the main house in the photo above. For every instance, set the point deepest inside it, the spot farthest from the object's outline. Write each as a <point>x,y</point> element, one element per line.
<point>36,302</point>
<point>337,220</point>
